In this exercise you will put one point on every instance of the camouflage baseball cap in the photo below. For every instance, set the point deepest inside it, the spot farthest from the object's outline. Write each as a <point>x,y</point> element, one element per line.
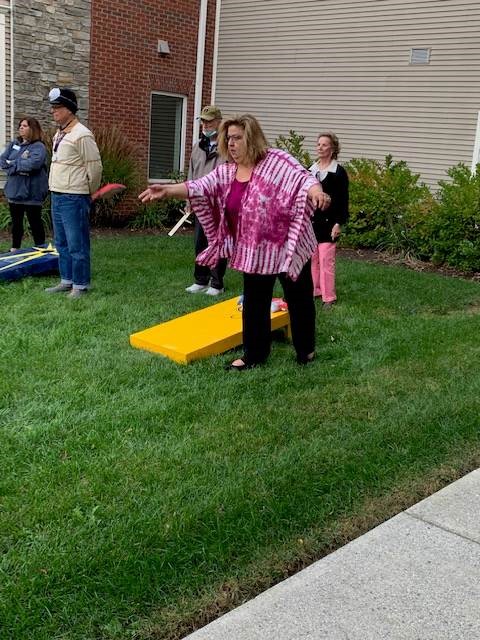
<point>210,112</point>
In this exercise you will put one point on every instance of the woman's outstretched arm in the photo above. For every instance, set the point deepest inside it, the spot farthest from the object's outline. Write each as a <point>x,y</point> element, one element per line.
<point>161,191</point>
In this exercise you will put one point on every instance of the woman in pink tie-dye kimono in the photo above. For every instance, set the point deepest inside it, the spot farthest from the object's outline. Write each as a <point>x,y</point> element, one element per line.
<point>256,211</point>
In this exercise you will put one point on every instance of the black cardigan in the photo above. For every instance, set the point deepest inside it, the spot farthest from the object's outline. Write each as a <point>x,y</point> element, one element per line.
<point>336,185</point>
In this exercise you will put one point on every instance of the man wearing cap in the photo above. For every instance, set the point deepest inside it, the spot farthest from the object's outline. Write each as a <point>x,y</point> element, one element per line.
<point>204,159</point>
<point>75,173</point>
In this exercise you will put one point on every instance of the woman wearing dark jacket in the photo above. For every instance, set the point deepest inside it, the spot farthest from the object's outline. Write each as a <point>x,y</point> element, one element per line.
<point>24,162</point>
<point>327,224</point>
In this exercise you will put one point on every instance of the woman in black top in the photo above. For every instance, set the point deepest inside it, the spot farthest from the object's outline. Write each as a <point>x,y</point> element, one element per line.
<point>327,224</point>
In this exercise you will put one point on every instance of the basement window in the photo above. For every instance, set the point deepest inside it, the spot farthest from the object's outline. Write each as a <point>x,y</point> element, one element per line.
<point>167,135</point>
<point>419,56</point>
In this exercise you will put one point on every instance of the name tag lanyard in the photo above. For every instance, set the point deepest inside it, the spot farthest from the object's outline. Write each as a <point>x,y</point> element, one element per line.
<point>60,136</point>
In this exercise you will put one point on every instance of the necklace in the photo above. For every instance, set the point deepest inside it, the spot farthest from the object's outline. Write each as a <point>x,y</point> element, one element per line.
<point>61,133</point>
<point>66,125</point>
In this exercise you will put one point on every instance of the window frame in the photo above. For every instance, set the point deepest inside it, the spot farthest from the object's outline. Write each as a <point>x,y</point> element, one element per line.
<point>183,134</point>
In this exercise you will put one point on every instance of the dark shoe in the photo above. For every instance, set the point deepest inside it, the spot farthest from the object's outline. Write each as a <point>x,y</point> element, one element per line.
<point>306,359</point>
<point>328,305</point>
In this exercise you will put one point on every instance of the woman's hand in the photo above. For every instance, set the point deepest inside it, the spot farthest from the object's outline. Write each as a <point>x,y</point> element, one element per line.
<point>154,192</point>
<point>319,198</point>
<point>161,191</point>
<point>336,231</point>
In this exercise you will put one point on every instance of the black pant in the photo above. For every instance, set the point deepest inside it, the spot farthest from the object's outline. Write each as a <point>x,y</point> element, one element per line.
<point>257,298</point>
<point>205,275</point>
<point>34,215</point>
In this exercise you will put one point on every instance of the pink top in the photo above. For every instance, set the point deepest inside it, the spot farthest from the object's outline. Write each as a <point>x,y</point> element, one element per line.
<point>274,233</point>
<point>232,205</point>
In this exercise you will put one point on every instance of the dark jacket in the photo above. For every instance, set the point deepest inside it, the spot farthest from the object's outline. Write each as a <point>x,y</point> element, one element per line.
<point>25,166</point>
<point>336,185</point>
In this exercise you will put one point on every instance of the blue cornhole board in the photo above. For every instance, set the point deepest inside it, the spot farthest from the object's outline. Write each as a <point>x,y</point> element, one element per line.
<point>34,261</point>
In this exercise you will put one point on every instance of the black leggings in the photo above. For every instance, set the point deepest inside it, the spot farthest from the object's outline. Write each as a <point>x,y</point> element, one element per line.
<point>34,215</point>
<point>257,298</point>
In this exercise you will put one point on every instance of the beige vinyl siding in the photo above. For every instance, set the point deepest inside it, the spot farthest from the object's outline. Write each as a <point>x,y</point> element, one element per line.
<point>344,65</point>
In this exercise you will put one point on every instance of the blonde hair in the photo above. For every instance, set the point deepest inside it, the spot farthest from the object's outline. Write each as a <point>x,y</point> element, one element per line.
<point>334,140</point>
<point>255,139</point>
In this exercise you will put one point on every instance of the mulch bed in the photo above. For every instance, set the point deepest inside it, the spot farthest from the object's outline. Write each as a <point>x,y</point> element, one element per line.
<point>369,255</point>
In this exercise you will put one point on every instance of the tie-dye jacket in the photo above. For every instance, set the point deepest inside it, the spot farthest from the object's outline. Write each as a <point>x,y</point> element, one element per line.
<point>274,232</point>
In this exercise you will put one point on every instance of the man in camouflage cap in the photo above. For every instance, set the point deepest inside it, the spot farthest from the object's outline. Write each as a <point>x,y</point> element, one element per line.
<point>204,159</point>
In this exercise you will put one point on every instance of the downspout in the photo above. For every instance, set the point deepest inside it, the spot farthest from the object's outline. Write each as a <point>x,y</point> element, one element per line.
<point>202,30</point>
<point>215,52</point>
<point>476,147</point>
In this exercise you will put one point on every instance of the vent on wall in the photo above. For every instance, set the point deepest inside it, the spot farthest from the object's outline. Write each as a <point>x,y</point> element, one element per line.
<point>163,47</point>
<point>419,56</point>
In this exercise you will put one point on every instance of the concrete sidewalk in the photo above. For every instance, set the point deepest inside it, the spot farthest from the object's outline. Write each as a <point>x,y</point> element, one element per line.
<point>415,577</point>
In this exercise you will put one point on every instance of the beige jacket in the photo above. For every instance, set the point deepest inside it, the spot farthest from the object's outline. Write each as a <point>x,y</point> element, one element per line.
<point>76,165</point>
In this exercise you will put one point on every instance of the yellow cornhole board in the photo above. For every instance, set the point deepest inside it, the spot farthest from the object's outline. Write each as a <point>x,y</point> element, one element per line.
<point>203,333</point>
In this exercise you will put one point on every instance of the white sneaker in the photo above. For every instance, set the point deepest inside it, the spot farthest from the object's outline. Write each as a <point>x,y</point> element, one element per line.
<point>211,291</point>
<point>196,288</point>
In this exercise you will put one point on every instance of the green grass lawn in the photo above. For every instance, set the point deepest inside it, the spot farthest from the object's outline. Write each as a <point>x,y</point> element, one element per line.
<point>138,497</point>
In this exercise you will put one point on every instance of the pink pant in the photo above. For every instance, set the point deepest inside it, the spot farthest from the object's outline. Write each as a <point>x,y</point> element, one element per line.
<point>323,271</point>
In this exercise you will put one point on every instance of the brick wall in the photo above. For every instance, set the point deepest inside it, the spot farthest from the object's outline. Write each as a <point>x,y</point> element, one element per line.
<point>125,66</point>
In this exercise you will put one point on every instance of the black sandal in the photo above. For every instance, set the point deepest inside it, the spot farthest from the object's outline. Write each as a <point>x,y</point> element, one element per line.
<point>238,367</point>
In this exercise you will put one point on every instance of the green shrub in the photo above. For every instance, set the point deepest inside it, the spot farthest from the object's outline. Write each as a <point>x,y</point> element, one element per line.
<point>386,204</point>
<point>120,165</point>
<point>47,218</point>
<point>5,219</point>
<point>293,144</point>
<point>48,141</point>
<point>451,233</point>
<point>160,214</point>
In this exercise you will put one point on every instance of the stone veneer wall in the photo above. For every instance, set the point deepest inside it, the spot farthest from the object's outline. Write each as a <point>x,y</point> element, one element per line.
<point>51,47</point>
<point>6,114</point>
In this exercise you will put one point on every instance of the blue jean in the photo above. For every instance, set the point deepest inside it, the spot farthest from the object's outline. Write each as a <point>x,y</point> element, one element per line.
<point>71,228</point>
